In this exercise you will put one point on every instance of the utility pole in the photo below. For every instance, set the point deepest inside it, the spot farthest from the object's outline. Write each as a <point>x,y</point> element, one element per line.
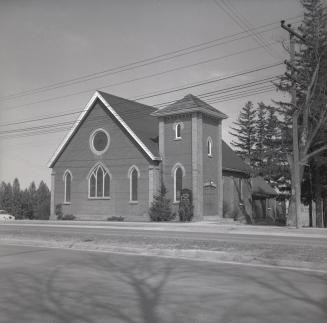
<point>296,163</point>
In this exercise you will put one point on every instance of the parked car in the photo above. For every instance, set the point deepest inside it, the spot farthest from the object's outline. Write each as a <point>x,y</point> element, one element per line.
<point>4,216</point>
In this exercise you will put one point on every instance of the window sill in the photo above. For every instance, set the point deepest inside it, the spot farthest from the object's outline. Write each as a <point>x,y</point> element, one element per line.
<point>176,202</point>
<point>67,203</point>
<point>177,139</point>
<point>99,198</point>
<point>133,202</point>
<point>210,156</point>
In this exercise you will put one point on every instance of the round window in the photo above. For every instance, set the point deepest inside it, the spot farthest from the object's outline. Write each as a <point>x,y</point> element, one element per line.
<point>99,141</point>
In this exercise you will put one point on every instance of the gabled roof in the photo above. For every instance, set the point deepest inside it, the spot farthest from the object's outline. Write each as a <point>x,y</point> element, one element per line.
<point>138,117</point>
<point>134,117</point>
<point>189,103</point>
<point>232,162</point>
<point>139,121</point>
<point>261,188</point>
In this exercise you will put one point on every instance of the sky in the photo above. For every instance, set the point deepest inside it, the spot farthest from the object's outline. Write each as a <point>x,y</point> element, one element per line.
<point>45,43</point>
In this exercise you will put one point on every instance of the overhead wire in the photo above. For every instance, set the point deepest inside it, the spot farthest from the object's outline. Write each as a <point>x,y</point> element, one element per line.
<point>143,62</point>
<point>134,79</point>
<point>64,126</point>
<point>230,76</point>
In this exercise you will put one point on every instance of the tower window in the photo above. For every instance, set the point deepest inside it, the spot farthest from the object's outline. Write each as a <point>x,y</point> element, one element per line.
<point>209,147</point>
<point>178,131</point>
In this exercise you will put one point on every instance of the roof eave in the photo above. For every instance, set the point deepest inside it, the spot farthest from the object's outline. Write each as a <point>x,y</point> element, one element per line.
<point>183,111</point>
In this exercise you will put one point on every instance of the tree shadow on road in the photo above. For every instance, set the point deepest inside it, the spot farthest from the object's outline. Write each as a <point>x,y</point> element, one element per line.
<point>104,287</point>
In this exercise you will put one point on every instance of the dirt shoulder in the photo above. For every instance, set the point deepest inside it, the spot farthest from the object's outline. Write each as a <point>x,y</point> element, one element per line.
<point>185,241</point>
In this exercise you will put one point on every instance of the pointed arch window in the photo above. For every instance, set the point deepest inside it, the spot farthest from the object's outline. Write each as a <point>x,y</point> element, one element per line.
<point>99,182</point>
<point>68,186</point>
<point>133,174</point>
<point>178,172</point>
<point>209,147</point>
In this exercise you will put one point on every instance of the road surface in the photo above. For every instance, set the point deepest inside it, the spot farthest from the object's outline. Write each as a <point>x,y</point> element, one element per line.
<point>170,233</point>
<point>43,285</point>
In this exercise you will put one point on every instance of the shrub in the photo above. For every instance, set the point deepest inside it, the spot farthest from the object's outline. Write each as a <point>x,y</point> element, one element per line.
<point>115,218</point>
<point>69,217</point>
<point>185,211</point>
<point>58,211</point>
<point>160,210</point>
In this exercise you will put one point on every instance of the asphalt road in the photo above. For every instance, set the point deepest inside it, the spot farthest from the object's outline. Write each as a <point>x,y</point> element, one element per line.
<point>135,232</point>
<point>43,285</point>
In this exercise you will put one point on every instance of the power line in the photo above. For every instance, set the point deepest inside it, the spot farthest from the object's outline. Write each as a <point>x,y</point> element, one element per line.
<point>141,63</point>
<point>169,91</point>
<point>231,13</point>
<point>58,127</point>
<point>136,79</point>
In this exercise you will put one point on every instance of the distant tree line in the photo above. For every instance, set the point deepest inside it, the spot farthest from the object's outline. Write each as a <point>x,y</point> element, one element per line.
<point>30,203</point>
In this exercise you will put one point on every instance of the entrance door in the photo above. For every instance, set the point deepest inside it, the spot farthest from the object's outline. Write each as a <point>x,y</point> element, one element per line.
<point>210,201</point>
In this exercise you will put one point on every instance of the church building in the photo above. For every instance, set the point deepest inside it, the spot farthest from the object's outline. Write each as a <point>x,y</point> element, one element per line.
<point>112,161</point>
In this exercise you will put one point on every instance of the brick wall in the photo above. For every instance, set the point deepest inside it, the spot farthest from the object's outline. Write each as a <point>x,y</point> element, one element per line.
<point>120,156</point>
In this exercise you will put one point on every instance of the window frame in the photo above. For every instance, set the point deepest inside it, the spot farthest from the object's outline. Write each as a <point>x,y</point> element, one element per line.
<point>174,172</point>
<point>91,141</point>
<point>67,172</point>
<point>178,126</point>
<point>94,172</point>
<point>209,147</point>
<point>130,176</point>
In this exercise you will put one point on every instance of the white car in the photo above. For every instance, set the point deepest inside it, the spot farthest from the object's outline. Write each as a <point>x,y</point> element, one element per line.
<point>4,216</point>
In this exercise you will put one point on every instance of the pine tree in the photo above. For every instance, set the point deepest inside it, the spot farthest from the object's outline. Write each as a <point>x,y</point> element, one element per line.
<point>32,199</point>
<point>27,208</point>
<point>245,132</point>
<point>6,197</point>
<point>259,146</point>
<point>16,208</point>
<point>160,210</point>
<point>43,202</point>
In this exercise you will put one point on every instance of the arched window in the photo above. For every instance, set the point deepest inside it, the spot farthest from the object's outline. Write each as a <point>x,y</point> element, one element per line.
<point>209,147</point>
<point>178,179</point>
<point>99,182</point>
<point>178,131</point>
<point>178,172</point>
<point>68,186</point>
<point>133,174</point>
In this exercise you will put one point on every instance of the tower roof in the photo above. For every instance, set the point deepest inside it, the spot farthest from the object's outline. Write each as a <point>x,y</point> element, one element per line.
<point>189,103</point>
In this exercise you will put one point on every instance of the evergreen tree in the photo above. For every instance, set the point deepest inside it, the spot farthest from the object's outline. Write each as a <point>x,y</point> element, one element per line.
<point>42,211</point>
<point>27,208</point>
<point>16,208</point>
<point>259,146</point>
<point>6,197</point>
<point>160,209</point>
<point>32,199</point>
<point>244,133</point>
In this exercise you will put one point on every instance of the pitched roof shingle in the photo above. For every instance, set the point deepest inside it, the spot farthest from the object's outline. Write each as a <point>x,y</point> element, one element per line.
<point>232,162</point>
<point>139,119</point>
<point>189,103</point>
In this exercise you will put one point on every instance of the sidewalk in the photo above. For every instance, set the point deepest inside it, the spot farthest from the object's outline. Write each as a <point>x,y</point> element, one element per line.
<point>204,226</point>
<point>301,249</point>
